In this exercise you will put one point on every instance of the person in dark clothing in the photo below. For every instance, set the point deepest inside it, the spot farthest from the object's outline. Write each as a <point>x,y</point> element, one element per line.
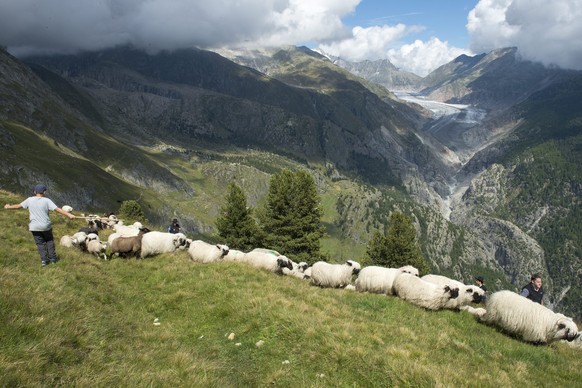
<point>481,283</point>
<point>534,290</point>
<point>174,227</point>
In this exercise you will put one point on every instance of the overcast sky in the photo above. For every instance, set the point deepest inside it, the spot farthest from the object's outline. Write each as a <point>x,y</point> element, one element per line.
<point>415,35</point>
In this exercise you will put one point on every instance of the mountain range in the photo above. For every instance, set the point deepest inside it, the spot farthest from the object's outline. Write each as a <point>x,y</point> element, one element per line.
<point>484,153</point>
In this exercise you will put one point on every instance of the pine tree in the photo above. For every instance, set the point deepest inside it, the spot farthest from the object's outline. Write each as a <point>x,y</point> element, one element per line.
<point>235,223</point>
<point>291,219</point>
<point>131,210</point>
<point>398,247</point>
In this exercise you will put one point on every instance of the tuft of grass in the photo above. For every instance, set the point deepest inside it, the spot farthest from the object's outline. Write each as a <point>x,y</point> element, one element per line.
<point>85,322</point>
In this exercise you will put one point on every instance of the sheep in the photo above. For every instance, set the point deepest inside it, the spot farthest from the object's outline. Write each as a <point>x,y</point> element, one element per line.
<point>126,230</point>
<point>81,238</point>
<point>298,270</point>
<point>422,293</point>
<point>92,237</point>
<point>476,311</point>
<point>67,208</point>
<point>379,280</point>
<point>68,241</point>
<point>97,248</point>
<point>268,259</point>
<point>155,243</point>
<point>467,293</point>
<point>128,245</point>
<point>527,320</point>
<point>333,275</point>
<point>203,252</point>
<point>112,237</point>
<point>234,255</point>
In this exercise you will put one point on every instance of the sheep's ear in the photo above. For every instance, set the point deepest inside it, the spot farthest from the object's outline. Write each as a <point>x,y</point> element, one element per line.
<point>349,263</point>
<point>447,288</point>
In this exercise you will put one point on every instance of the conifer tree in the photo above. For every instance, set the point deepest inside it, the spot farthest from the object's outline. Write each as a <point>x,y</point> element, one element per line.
<point>291,219</point>
<point>131,210</point>
<point>235,223</point>
<point>398,246</point>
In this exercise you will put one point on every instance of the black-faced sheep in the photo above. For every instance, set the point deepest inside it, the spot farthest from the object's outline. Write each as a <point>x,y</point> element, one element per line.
<point>234,255</point>
<point>379,280</point>
<point>268,259</point>
<point>422,293</point>
<point>203,252</point>
<point>297,271</point>
<point>155,243</point>
<point>467,293</point>
<point>333,275</point>
<point>526,319</point>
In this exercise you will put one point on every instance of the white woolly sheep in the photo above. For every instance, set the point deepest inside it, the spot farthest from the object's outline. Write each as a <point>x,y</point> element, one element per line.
<point>333,275</point>
<point>526,319</point>
<point>126,230</point>
<point>297,271</point>
<point>81,238</point>
<point>268,259</point>
<point>467,293</point>
<point>379,280</point>
<point>155,243</point>
<point>68,241</point>
<point>97,248</point>
<point>67,208</point>
<point>234,255</point>
<point>112,237</point>
<point>422,293</point>
<point>203,252</point>
<point>476,311</point>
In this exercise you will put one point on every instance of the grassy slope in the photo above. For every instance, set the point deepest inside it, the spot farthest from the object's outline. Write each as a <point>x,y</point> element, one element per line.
<point>90,322</point>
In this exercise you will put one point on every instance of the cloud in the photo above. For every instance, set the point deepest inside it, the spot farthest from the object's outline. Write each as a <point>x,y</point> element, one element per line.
<point>368,43</point>
<point>423,57</point>
<point>61,26</point>
<point>549,32</point>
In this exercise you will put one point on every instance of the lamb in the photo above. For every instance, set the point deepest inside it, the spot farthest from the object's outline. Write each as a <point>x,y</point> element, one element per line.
<point>333,275</point>
<point>128,245</point>
<point>97,248</point>
<point>269,260</point>
<point>527,320</point>
<point>155,243</point>
<point>467,293</point>
<point>203,252</point>
<point>379,280</point>
<point>297,271</point>
<point>422,293</point>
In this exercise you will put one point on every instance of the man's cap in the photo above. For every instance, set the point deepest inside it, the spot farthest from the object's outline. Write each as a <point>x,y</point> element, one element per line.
<point>480,278</point>
<point>40,188</point>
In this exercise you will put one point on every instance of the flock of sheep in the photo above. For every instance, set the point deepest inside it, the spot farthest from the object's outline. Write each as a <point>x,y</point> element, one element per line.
<point>510,312</point>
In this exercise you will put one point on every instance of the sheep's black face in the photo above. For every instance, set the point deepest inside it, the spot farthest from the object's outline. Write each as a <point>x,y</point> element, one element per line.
<point>477,298</point>
<point>454,292</point>
<point>282,263</point>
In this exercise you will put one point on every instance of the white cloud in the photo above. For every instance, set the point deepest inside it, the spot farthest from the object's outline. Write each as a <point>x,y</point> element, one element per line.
<point>546,31</point>
<point>32,26</point>
<point>368,43</point>
<point>423,57</point>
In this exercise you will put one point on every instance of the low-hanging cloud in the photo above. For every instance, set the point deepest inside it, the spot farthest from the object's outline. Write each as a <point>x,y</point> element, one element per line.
<point>423,57</point>
<point>65,26</point>
<point>549,32</point>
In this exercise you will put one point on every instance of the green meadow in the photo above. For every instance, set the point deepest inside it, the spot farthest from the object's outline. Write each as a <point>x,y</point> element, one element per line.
<point>165,321</point>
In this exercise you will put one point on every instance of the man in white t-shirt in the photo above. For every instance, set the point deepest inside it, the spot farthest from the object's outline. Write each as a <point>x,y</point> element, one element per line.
<point>40,224</point>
